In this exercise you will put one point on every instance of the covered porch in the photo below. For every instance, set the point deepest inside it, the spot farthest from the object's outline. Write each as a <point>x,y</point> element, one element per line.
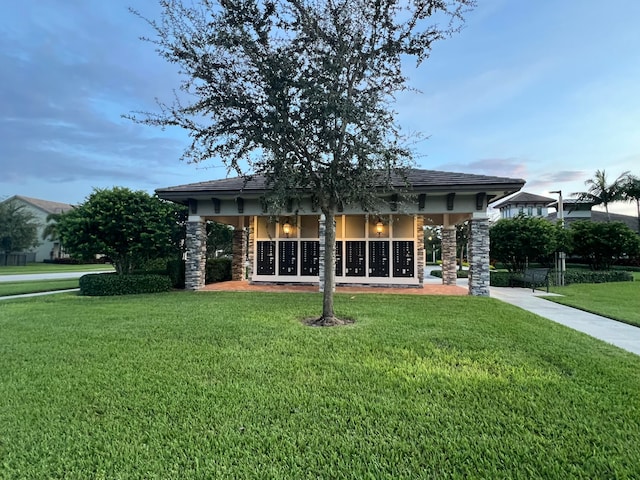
<point>384,249</point>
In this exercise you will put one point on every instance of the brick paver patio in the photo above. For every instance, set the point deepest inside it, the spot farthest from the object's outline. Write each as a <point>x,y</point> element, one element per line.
<point>242,286</point>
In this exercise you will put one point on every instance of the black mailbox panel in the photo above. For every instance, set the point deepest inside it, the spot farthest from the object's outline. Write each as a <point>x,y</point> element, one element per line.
<point>403,256</point>
<point>266,258</point>
<point>355,259</point>
<point>288,255</point>
<point>338,259</point>
<point>310,257</point>
<point>379,258</point>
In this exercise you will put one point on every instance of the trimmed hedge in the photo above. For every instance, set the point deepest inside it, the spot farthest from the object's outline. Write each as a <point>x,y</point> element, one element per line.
<point>107,284</point>
<point>459,273</point>
<point>588,276</point>
<point>217,270</point>
<point>502,279</point>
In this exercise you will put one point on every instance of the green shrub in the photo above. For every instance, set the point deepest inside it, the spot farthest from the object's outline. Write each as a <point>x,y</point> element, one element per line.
<point>505,279</point>
<point>218,270</point>
<point>106,284</point>
<point>588,276</point>
<point>500,279</point>
<point>459,273</point>
<point>176,272</point>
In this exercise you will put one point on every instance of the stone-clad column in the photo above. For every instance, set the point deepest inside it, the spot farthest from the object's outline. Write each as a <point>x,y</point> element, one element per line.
<point>479,274</point>
<point>239,254</point>
<point>420,247</point>
<point>196,243</point>
<point>449,273</point>
<point>251,250</point>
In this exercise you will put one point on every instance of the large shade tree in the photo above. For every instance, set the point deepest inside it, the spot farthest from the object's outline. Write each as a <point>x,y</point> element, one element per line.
<point>18,228</point>
<point>602,244</point>
<point>518,241</point>
<point>601,192</point>
<point>299,91</point>
<point>128,226</point>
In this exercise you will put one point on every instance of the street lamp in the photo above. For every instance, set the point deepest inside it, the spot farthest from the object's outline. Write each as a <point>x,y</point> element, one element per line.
<point>433,250</point>
<point>561,255</point>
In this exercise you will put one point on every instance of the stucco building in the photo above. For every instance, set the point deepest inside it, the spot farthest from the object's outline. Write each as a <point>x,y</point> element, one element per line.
<point>41,209</point>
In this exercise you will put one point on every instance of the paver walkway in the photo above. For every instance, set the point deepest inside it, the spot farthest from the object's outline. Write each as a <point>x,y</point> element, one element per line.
<point>427,289</point>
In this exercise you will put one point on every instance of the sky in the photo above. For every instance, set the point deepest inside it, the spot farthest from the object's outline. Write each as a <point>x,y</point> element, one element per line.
<point>547,91</point>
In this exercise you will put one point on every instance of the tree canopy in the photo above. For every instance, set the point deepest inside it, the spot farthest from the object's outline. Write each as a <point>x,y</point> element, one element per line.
<point>602,244</point>
<point>127,226</point>
<point>299,91</point>
<point>523,239</point>
<point>631,193</point>
<point>18,227</point>
<point>601,192</point>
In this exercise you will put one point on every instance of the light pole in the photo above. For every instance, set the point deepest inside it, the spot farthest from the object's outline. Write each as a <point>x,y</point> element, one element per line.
<point>561,255</point>
<point>433,250</point>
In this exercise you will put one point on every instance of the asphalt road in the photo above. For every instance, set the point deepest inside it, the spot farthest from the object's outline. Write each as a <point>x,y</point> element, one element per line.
<point>44,276</point>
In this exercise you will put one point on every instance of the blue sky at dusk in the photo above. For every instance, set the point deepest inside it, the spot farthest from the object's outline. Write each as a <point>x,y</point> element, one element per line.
<point>548,91</point>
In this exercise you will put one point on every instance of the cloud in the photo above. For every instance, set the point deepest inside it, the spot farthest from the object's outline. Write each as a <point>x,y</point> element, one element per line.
<point>552,180</point>
<point>69,72</point>
<point>501,167</point>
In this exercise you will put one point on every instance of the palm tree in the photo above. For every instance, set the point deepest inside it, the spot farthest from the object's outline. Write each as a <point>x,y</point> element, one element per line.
<point>631,192</point>
<point>601,192</point>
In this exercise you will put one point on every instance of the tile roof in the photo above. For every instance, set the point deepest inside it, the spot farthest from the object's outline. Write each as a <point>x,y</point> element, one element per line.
<point>600,217</point>
<point>45,205</point>
<point>523,197</point>
<point>429,179</point>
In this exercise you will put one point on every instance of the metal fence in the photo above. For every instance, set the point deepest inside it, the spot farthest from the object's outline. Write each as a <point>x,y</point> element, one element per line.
<point>17,259</point>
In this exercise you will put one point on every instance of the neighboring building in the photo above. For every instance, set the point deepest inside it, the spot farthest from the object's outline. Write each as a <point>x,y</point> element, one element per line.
<point>574,209</point>
<point>386,248</point>
<point>525,203</point>
<point>41,209</point>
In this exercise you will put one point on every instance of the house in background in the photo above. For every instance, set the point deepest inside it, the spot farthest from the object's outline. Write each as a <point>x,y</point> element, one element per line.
<point>525,203</point>
<point>383,248</point>
<point>532,205</point>
<point>40,209</point>
<point>574,209</point>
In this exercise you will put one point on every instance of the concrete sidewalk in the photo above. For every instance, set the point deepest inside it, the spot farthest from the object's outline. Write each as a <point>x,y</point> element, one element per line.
<point>616,333</point>
<point>38,294</point>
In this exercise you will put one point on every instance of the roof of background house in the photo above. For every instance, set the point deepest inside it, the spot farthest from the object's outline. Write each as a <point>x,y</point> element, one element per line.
<point>523,197</point>
<point>572,201</point>
<point>46,206</point>
<point>418,179</point>
<point>600,217</point>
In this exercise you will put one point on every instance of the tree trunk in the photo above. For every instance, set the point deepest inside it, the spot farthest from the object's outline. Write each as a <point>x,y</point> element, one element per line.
<point>328,315</point>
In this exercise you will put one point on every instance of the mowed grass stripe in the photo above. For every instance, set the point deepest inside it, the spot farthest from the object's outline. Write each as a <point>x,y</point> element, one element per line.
<point>232,385</point>
<point>617,300</point>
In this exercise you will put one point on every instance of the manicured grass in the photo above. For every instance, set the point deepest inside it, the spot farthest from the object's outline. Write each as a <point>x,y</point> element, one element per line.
<point>616,300</point>
<point>232,385</point>
<point>17,288</point>
<point>53,268</point>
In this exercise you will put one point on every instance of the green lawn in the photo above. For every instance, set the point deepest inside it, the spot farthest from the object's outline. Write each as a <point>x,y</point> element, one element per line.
<point>232,385</point>
<point>53,268</point>
<point>616,300</point>
<point>17,288</point>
